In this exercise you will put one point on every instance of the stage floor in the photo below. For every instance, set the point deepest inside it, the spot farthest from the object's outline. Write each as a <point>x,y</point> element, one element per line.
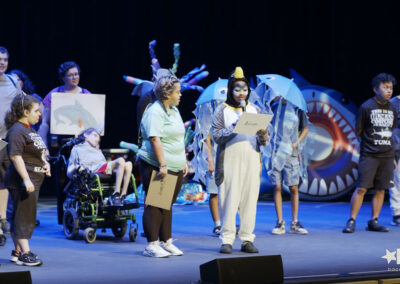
<point>326,250</point>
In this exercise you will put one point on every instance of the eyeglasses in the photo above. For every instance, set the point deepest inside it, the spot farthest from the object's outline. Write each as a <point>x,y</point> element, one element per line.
<point>72,75</point>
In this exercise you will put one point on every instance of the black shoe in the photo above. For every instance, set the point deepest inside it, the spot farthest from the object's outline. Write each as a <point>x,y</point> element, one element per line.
<point>5,226</point>
<point>226,248</point>
<point>374,226</point>
<point>396,220</point>
<point>28,259</point>
<point>14,256</point>
<point>249,247</point>
<point>115,200</point>
<point>350,226</point>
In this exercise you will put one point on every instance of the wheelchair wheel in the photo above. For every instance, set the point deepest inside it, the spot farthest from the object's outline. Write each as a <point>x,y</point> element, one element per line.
<point>89,235</point>
<point>119,232</point>
<point>133,234</point>
<point>3,240</point>
<point>70,223</point>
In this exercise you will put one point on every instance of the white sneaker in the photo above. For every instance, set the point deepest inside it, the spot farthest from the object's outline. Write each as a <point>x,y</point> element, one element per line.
<point>297,228</point>
<point>171,248</point>
<point>279,228</point>
<point>154,249</point>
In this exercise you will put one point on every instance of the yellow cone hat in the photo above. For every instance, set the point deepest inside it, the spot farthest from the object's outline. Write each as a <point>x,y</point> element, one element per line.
<point>238,74</point>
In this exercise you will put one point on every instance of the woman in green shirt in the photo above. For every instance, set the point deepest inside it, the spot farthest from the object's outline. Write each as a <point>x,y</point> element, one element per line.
<point>162,150</point>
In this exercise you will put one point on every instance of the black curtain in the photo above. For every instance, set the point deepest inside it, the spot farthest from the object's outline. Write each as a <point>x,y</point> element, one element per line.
<point>337,44</point>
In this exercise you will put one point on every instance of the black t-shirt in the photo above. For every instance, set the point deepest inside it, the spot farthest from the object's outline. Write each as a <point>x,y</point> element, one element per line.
<point>25,142</point>
<point>375,123</point>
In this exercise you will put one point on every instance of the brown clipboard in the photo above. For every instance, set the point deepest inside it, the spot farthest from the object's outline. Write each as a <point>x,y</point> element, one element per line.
<point>161,191</point>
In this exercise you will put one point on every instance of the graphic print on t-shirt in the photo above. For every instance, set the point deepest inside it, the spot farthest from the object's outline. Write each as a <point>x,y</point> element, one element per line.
<point>39,144</point>
<point>382,123</point>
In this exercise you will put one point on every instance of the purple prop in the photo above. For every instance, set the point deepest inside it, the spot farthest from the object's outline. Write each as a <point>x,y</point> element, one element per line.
<point>198,78</point>
<point>152,44</point>
<point>192,73</point>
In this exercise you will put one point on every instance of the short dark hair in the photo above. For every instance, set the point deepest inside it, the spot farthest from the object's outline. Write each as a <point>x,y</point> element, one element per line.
<point>165,86</point>
<point>64,67</point>
<point>381,78</point>
<point>87,132</point>
<point>4,50</point>
<point>28,86</point>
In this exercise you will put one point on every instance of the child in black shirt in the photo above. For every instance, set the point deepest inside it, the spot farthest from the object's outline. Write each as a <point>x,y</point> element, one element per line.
<point>25,174</point>
<point>376,120</point>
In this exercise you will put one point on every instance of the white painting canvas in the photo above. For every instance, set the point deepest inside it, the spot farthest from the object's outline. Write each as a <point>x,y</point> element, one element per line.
<point>73,113</point>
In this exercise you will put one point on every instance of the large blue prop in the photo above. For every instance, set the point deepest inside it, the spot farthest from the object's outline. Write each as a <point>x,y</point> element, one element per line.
<point>206,105</point>
<point>216,91</point>
<point>288,99</point>
<point>332,170</point>
<point>283,87</point>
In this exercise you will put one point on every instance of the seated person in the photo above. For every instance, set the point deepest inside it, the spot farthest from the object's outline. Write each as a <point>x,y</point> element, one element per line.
<point>88,155</point>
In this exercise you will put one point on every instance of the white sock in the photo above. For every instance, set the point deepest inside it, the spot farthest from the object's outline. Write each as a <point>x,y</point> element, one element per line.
<point>217,223</point>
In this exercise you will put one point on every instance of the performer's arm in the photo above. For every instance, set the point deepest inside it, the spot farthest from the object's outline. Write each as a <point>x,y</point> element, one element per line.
<point>303,128</point>
<point>210,158</point>
<point>360,122</point>
<point>21,169</point>
<point>159,152</point>
<point>72,163</point>
<point>222,134</point>
<point>303,135</point>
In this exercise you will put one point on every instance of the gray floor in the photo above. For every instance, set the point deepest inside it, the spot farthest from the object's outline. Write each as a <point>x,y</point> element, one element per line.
<point>324,251</point>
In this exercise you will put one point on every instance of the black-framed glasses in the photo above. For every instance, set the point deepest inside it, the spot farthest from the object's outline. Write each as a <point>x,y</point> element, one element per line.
<point>73,75</point>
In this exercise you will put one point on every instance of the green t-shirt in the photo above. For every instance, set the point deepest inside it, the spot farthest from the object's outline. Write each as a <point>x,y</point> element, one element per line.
<point>168,125</point>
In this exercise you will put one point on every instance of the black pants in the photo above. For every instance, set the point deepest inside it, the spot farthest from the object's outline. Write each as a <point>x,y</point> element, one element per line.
<point>24,212</point>
<point>157,222</point>
<point>4,163</point>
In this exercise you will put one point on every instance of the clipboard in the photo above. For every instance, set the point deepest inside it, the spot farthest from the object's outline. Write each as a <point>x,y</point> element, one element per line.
<point>250,123</point>
<point>161,191</point>
<point>2,144</point>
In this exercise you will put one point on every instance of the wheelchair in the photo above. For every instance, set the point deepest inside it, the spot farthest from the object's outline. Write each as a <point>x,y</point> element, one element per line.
<point>86,207</point>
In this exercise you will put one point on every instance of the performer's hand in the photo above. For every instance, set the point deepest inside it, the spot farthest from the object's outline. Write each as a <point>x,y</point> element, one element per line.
<point>29,185</point>
<point>262,136</point>
<point>294,146</point>
<point>185,169</point>
<point>47,167</point>
<point>162,173</point>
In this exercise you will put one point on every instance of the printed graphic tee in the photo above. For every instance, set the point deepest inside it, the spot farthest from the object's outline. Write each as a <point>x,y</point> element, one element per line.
<point>375,123</point>
<point>25,142</point>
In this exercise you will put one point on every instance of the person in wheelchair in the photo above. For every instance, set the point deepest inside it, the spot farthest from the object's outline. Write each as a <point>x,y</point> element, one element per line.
<point>88,155</point>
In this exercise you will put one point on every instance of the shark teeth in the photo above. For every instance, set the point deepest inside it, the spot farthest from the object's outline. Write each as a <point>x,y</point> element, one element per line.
<point>329,119</point>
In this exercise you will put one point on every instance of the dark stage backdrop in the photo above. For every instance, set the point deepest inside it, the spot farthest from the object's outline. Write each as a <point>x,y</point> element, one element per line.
<point>338,44</point>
